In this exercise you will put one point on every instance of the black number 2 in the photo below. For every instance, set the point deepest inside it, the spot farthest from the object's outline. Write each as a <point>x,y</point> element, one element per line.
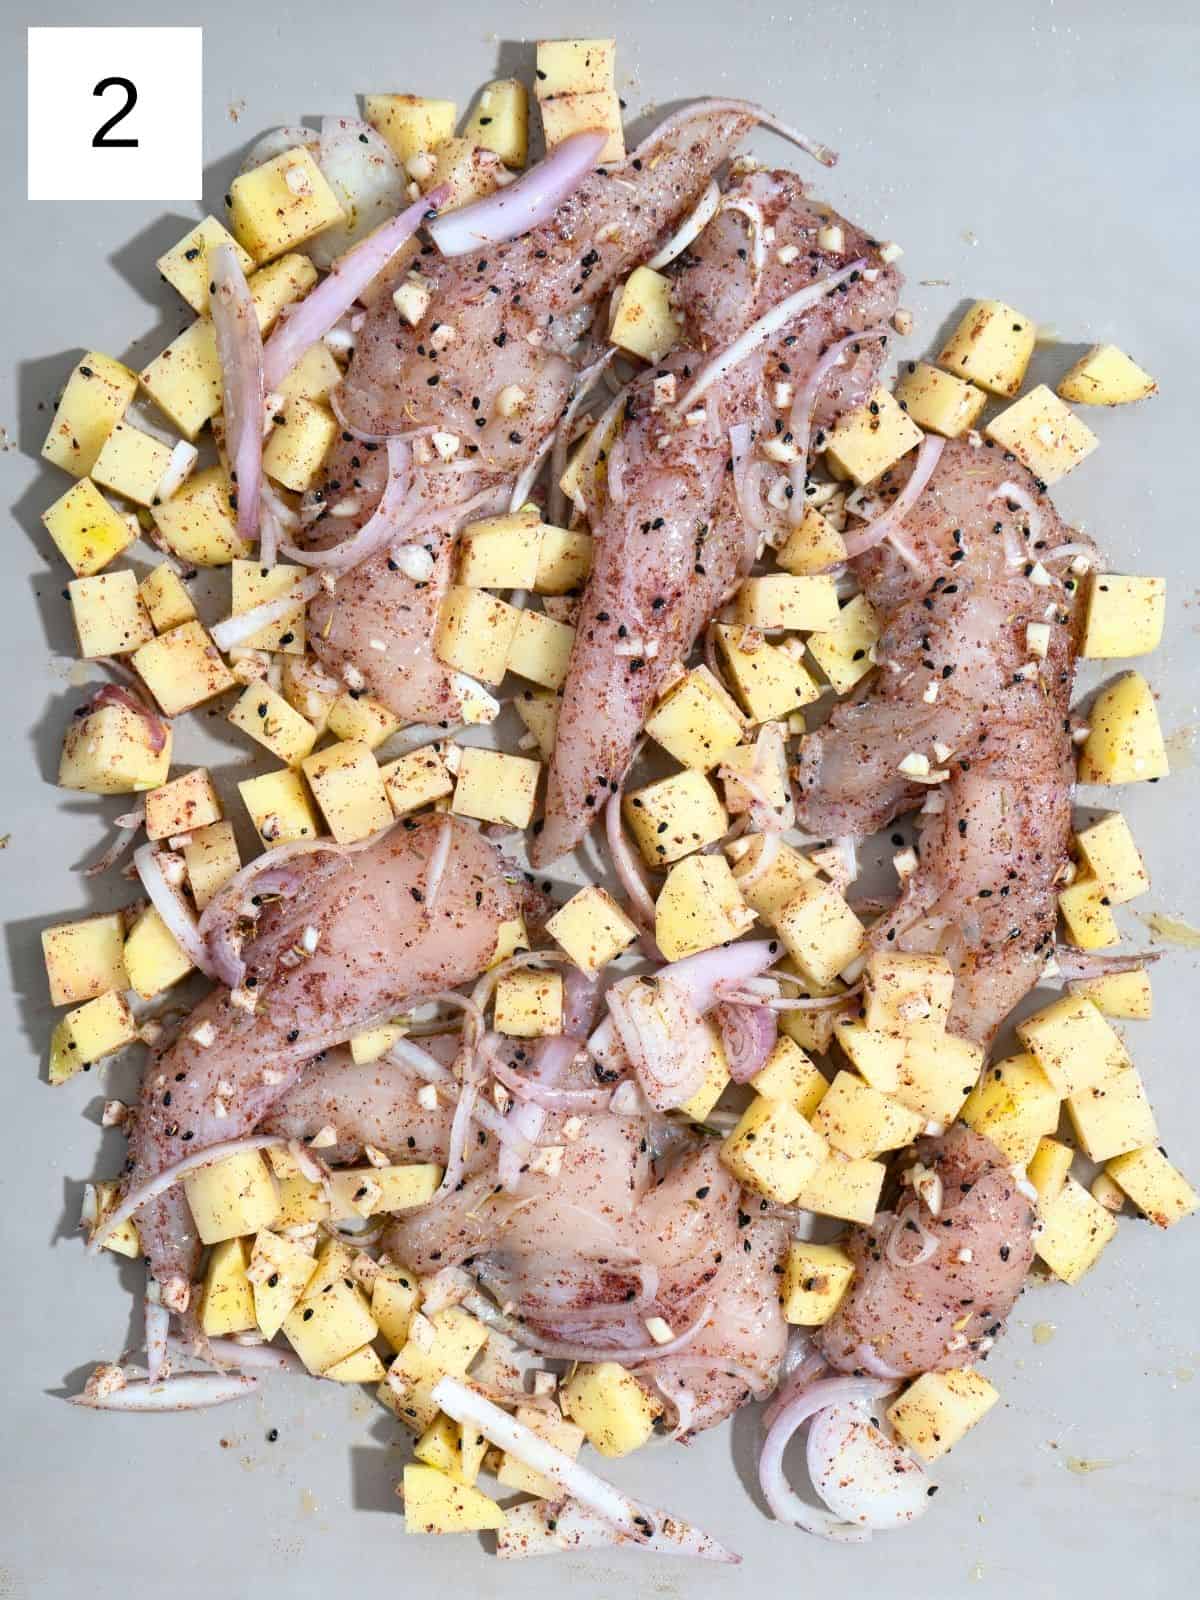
<point>100,140</point>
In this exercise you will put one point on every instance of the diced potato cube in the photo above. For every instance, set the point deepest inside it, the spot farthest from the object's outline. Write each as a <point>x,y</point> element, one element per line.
<point>314,377</point>
<point>88,531</point>
<point>299,443</point>
<point>255,585</point>
<point>335,1263</point>
<point>781,600</point>
<point>934,1413</point>
<point>394,1301</point>
<point>500,121</point>
<point>84,959</point>
<point>1014,1105</point>
<point>374,1042</point>
<point>300,1201</point>
<point>512,937</point>
<point>271,722</point>
<point>360,1366</point>
<point>1119,994</point>
<point>184,380</point>
<point>165,598</point>
<point>98,1027</point>
<point>110,619</point>
<point>228,1303</point>
<point>435,1503</point>
<point>1114,859</point>
<point>575,66</point>
<point>788,1074</point>
<point>845,1188</point>
<point>1106,376</point>
<point>564,561</point>
<point>821,932</point>
<point>768,681</point>
<point>773,1150</point>
<point>153,956</point>
<point>548,1424</point>
<point>1073,1044</point>
<point>938,401</point>
<point>859,1121</point>
<point>1048,1168</point>
<point>1108,1192</point>
<point>1159,1190</point>
<point>182,668</point>
<point>112,750</point>
<point>877,1057</point>
<point>94,401</point>
<point>592,929</point>
<point>211,858</point>
<point>367,1191</point>
<point>991,347</point>
<point>1125,616</point>
<point>768,889</point>
<point>185,265</point>
<point>198,522</point>
<point>699,907</point>
<point>280,807</point>
<point>100,1201</point>
<point>1075,1229</point>
<point>496,788</point>
<point>132,464</point>
<point>675,817</point>
<point>696,721</point>
<point>346,781</point>
<point>282,203</point>
<point>541,649</point>
<point>445,1343</point>
<point>615,1411</point>
<point>844,651</point>
<point>529,1004</point>
<point>233,1196</point>
<point>907,994</point>
<point>182,805</point>
<point>813,545</point>
<point>1044,435</point>
<point>538,710</point>
<point>440,1446</point>
<point>872,438</point>
<point>475,633</point>
<point>417,779</point>
<point>500,552</point>
<point>716,1076</point>
<point>565,114</point>
<point>1113,1116</point>
<point>325,1328</point>
<point>1085,910</point>
<point>1125,743</point>
<point>278,285</point>
<point>468,172</point>
<point>937,1074</point>
<point>815,1278</point>
<point>64,1062</point>
<point>645,323</point>
<point>409,123</point>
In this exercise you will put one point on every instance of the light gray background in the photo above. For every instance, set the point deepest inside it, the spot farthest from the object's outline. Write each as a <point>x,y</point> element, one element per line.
<point>1042,153</point>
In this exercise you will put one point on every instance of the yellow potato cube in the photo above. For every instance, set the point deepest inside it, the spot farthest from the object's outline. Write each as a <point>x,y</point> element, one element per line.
<point>154,958</point>
<point>199,525</point>
<point>675,817</point>
<point>1044,435</point>
<point>88,531</point>
<point>1125,743</point>
<point>548,1424</point>
<point>1159,1190</point>
<point>184,380</point>
<point>935,1412</point>
<point>822,934</point>
<point>335,1262</point>
<point>645,323</point>
<point>100,1200</point>
<point>395,1298</point>
<point>185,265</point>
<point>435,1503</point>
<point>417,779</point>
<point>845,1188</point>
<point>64,1062</point>
<point>468,172</point>
<point>938,401</point>
<point>325,1328</point>
<point>496,788</point>
<point>699,907</point>
<point>84,959</point>
<point>564,561</point>
<point>440,1446</point>
<point>1113,1116</point>
<point>991,347</point>
<point>500,121</point>
<point>278,285</point>
<point>774,1150</point>
<point>876,1057</point>
<point>1015,1106</point>
<point>1114,859</point>
<point>859,1121</point>
<point>98,1028</point>
<point>475,633</point>
<point>768,889</point>
<point>374,1042</point>
<point>1109,1193</point>
<point>1125,616</point>
<point>300,1201</point>
<point>592,929</point>
<point>360,1366</point>
<point>255,585</point>
<point>529,1004</point>
<point>844,651</point>
<point>1075,1229</point>
<point>367,1191</point>
<point>299,443</point>
<point>937,1074</point>
<point>280,807</point>
<point>907,994</point>
<point>444,1344</point>
<point>281,204</point>
<point>565,114</point>
<point>346,781</point>
<point>696,721</point>
<point>132,464</point>
<point>409,123</point>
<point>182,668</point>
<point>512,937</point>
<point>781,600</point>
<point>109,617</point>
<point>788,1074</point>
<point>500,552</point>
<point>231,1197</point>
<point>182,805</point>
<point>575,66</point>
<point>813,545</point>
<point>271,722</point>
<point>541,649</point>
<point>1073,1044</point>
<point>1084,907</point>
<point>768,681</point>
<point>716,1076</point>
<point>870,439</point>
<point>111,750</point>
<point>1119,994</point>
<point>1048,1168</point>
<point>228,1303</point>
<point>94,401</point>
<point>815,1278</point>
<point>314,377</point>
<point>538,710</point>
<point>615,1411</point>
<point>165,598</point>
<point>1106,376</point>
<point>211,858</point>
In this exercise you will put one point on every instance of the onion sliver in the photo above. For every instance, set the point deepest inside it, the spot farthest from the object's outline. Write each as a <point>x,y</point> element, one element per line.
<point>191,1392</point>
<point>525,204</point>
<point>250,1357</point>
<point>555,1527</point>
<point>783,1500</point>
<point>236,630</point>
<point>863,539</point>
<point>800,422</point>
<point>240,352</point>
<point>178,919</point>
<point>692,226</point>
<point>366,175</point>
<point>384,526</point>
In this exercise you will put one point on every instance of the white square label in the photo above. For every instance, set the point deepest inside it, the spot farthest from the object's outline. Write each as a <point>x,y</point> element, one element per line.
<point>115,113</point>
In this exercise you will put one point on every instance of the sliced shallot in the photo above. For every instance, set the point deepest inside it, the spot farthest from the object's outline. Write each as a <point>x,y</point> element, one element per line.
<point>530,201</point>
<point>191,1392</point>
<point>384,526</point>
<point>240,352</point>
<point>864,539</point>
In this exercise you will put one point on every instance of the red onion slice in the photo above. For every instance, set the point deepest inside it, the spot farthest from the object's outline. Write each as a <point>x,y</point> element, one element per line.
<point>783,1500</point>
<point>584,385</point>
<point>191,1392</point>
<point>748,1034</point>
<point>240,352</point>
<point>909,1223</point>
<point>747,485</point>
<point>861,540</point>
<point>179,921</point>
<point>662,1035</point>
<point>692,226</point>
<point>585,1102</point>
<point>626,865</point>
<point>128,825</point>
<point>383,527</point>
<point>863,1476</point>
<point>758,114</point>
<point>158,1323</point>
<point>250,1357</point>
<point>1076,966</point>
<point>112,694</point>
<point>225,909</point>
<point>800,422</point>
<point>530,201</point>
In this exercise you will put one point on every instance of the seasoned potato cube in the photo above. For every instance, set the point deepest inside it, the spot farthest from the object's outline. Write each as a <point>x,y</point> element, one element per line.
<point>114,750</point>
<point>64,1062</point>
<point>768,681</point>
<point>1125,616</point>
<point>440,1446</point>
<point>938,401</point>
<point>1106,376</point>
<point>815,1278</point>
<point>280,807</point>
<point>211,859</point>
<point>88,531</point>
<point>991,347</point>
<point>1084,907</point>
<point>299,443</point>
<point>859,1121</point>
<point>281,204</point>
<point>300,1201</point>
<point>184,380</point>
<point>529,1004</point>
<point>98,1027</point>
<point>100,1199</point>
<point>1109,1193</point>
<point>280,284</point>
<point>314,377</point>
<point>844,651</point>
<point>1044,435</point>
<point>325,1328</point>
<point>845,1188</point>
<point>907,994</point>
<point>541,649</point>
<point>198,523</point>
<point>445,1343</point>
<point>417,779</point>
<point>699,907</point>
<point>182,668</point>
<point>1113,1116</point>
<point>538,710</point>
<point>870,439</point>
<point>768,889</point>
<point>696,721</point>
<point>185,265</point>
<point>367,1191</point>
<point>937,1074</point>
<point>95,399</point>
<point>822,934</point>
<point>500,552</point>
<point>1075,1229</point>
<point>564,561</point>
<point>813,545</point>
<point>1014,1105</point>
<point>773,1150</point>
<point>154,958</point>
<point>409,123</point>
<point>468,172</point>
<point>675,817</point>
<point>645,323</point>
<point>271,722</point>
<point>565,114</point>
<point>109,617</point>
<point>500,121</point>
<point>788,1074</point>
<point>1114,859</point>
<point>716,1076</point>
<point>183,804</point>
<point>360,1366</point>
<point>233,1196</point>
<point>133,464</point>
<point>1048,1168</point>
<point>394,1301</point>
<point>496,788</point>
<point>876,1057</point>
<point>592,929</point>
<point>436,1503</point>
<point>1125,743</point>
<point>165,598</point>
<point>1073,1044</point>
<point>475,633</point>
<point>346,781</point>
<point>575,66</point>
<point>615,1411</point>
<point>1119,994</point>
<point>255,585</point>
<point>934,1413</point>
<point>228,1303</point>
<point>781,600</point>
<point>84,959</point>
<point>1159,1190</point>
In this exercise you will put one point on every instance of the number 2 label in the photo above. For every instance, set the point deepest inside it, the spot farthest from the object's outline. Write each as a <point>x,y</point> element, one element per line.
<point>100,139</point>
